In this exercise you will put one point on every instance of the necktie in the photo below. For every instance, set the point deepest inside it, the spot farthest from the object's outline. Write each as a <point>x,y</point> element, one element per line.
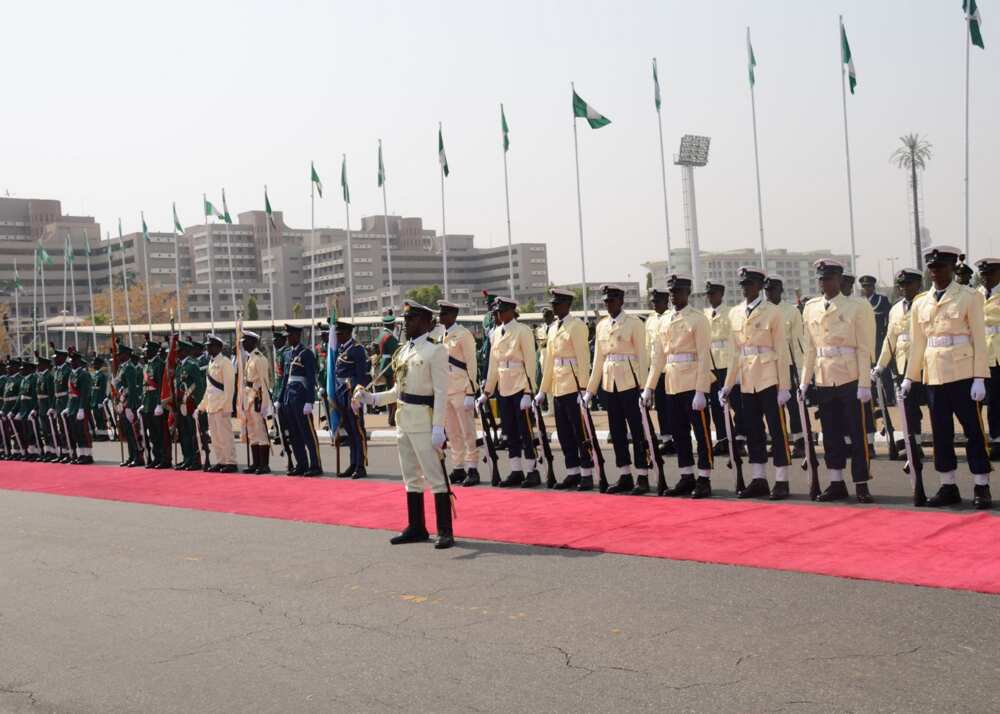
<point>503,331</point>
<point>938,294</point>
<point>560,323</point>
<point>826,305</point>
<point>714,312</point>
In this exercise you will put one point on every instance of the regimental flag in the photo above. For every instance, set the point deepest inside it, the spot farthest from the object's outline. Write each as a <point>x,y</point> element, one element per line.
<point>167,382</point>
<point>145,230</point>
<point>18,286</point>
<point>751,62</point>
<point>583,110</point>
<point>225,209</point>
<point>975,22</point>
<point>267,210</point>
<point>211,210</point>
<point>505,130</point>
<point>656,87</point>
<point>177,223</point>
<point>381,166</point>
<point>847,59</point>
<point>68,251</point>
<point>42,257</point>
<point>442,158</point>
<point>343,180</point>
<point>314,177</point>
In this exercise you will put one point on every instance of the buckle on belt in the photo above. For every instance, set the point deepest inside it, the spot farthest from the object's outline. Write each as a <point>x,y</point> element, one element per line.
<point>681,357</point>
<point>947,340</point>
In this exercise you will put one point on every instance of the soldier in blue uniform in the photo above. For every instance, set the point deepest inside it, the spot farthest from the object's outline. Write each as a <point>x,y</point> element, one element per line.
<point>351,369</point>
<point>298,394</point>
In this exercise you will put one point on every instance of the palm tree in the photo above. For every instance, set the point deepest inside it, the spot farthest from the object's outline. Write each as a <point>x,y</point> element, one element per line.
<point>912,155</point>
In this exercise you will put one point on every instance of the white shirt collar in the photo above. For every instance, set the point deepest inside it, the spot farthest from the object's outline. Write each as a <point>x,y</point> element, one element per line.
<point>417,340</point>
<point>755,303</point>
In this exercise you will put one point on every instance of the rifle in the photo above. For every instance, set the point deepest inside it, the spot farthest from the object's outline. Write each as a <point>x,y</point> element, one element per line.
<point>914,465</point>
<point>3,435</point>
<point>69,442</point>
<point>282,437</point>
<point>144,446</point>
<point>647,427</point>
<point>591,443</point>
<point>17,436</point>
<point>550,475</point>
<point>485,417</point>
<point>735,460</point>
<point>55,434</point>
<point>38,440</point>
<point>810,462</point>
<point>887,429</point>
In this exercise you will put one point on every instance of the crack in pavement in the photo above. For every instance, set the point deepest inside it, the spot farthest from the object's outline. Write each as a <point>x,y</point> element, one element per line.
<point>862,656</point>
<point>13,688</point>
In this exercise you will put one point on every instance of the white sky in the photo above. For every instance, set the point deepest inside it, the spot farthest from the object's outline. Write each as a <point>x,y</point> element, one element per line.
<point>115,107</point>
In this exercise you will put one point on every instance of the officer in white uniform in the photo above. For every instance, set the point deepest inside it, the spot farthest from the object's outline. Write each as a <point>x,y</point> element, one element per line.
<point>463,381</point>
<point>218,405</point>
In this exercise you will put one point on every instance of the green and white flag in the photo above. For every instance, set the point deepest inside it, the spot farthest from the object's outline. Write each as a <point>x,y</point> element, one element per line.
<point>583,110</point>
<point>145,230</point>
<point>42,257</point>
<point>177,223</point>
<point>656,87</point>
<point>17,279</point>
<point>751,62</point>
<point>846,58</point>
<point>211,210</point>
<point>68,251</point>
<point>314,177</point>
<point>86,245</point>
<point>975,22</point>
<point>267,210</point>
<point>119,229</point>
<point>442,158</point>
<point>343,180</point>
<point>225,209</point>
<point>381,167</point>
<point>505,129</point>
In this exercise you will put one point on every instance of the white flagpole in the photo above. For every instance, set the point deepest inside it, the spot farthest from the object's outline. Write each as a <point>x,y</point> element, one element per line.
<point>270,258</point>
<point>17,310</point>
<point>756,164</point>
<point>111,282</point>
<point>663,176</point>
<point>579,214</point>
<point>968,46</point>
<point>177,268</point>
<point>385,220</point>
<point>34,302</point>
<point>312,260</point>
<point>229,259</point>
<point>64,300</point>
<point>45,312</point>
<point>148,287</point>
<point>349,267</point>
<point>90,292</point>
<point>211,266</point>
<point>847,147</point>
<point>72,291</point>
<point>510,245</point>
<point>444,230</point>
<point>128,307</point>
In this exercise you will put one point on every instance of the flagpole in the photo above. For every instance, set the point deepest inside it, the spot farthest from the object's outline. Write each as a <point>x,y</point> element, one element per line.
<point>847,151</point>
<point>385,221</point>
<point>229,259</point>
<point>34,302</point>
<point>64,300</point>
<point>756,163</point>
<point>663,176</point>
<point>270,258</point>
<point>347,209</point>
<point>968,46</point>
<point>128,307</point>
<point>90,293</point>
<point>111,282</point>
<point>145,272</point>
<point>211,266</point>
<point>510,245</point>
<point>444,230</point>
<point>45,321</point>
<point>17,311</point>
<point>312,259</point>
<point>579,214</point>
<point>72,292</point>
<point>177,269</point>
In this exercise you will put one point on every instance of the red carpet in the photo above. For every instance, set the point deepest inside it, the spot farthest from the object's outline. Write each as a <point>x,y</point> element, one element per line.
<point>947,550</point>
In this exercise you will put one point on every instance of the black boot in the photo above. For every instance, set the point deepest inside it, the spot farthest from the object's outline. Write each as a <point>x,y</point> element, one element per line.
<point>442,511</point>
<point>471,477</point>
<point>702,488</point>
<point>586,483</point>
<point>641,486</point>
<point>252,466</point>
<point>264,460</point>
<point>981,499</point>
<point>863,494</point>
<point>757,488</point>
<point>780,491</point>
<point>416,529</point>
<point>571,481</point>
<point>836,491</point>
<point>516,478</point>
<point>346,473</point>
<point>799,449</point>
<point>457,476</point>
<point>684,487</point>
<point>532,479</point>
<point>622,485</point>
<point>359,472</point>
<point>947,495</point>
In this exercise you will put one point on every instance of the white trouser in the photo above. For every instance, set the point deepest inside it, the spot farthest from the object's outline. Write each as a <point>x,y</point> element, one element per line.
<point>460,426</point>
<point>256,428</point>
<point>220,428</point>
<point>420,463</point>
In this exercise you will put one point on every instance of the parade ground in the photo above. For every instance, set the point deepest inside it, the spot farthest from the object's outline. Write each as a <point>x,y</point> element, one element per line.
<point>117,606</point>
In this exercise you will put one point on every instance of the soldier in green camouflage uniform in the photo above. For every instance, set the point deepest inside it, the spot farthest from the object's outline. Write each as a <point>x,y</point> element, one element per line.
<point>78,409</point>
<point>45,397</point>
<point>61,378</point>
<point>27,406</point>
<point>201,359</point>
<point>98,395</point>
<point>11,395</point>
<point>151,411</point>
<point>5,447</point>
<point>191,388</point>
<point>128,382</point>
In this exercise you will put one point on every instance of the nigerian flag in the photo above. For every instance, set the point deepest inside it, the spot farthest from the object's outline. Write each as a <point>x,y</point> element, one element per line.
<point>751,61</point>
<point>42,257</point>
<point>656,87</point>
<point>975,22</point>
<point>343,180</point>
<point>145,230</point>
<point>847,59</point>
<point>505,129</point>
<point>225,209</point>
<point>177,223</point>
<point>267,210</point>
<point>17,278</point>
<point>442,158</point>
<point>314,177</point>
<point>381,167</point>
<point>584,111</point>
<point>86,245</point>
<point>211,210</point>
<point>68,251</point>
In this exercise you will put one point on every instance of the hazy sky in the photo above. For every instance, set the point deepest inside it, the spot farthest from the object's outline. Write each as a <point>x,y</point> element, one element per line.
<point>115,107</point>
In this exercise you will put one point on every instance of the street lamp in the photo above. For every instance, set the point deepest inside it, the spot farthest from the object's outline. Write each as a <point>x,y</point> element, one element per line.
<point>693,153</point>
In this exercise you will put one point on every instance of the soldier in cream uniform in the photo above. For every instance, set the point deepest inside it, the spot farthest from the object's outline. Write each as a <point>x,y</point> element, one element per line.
<point>218,405</point>
<point>837,355</point>
<point>511,374</point>
<point>989,277</point>
<point>759,362</point>
<point>718,320</point>
<point>463,380</point>
<point>948,354</point>
<point>621,361</point>
<point>681,351</point>
<point>774,287</point>
<point>565,371</point>
<point>421,391</point>
<point>896,346</point>
<point>659,300</point>
<point>257,403</point>
<point>871,331</point>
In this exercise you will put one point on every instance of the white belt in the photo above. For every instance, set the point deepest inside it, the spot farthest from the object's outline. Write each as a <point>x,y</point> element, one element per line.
<point>297,378</point>
<point>681,357</point>
<point>947,340</point>
<point>719,344</point>
<point>212,389</point>
<point>755,350</point>
<point>834,351</point>
<point>992,329</point>
<point>903,337</point>
<point>510,363</point>
<point>565,361</point>
<point>620,358</point>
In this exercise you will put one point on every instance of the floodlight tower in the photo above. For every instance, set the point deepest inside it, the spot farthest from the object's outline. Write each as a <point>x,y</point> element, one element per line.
<point>693,152</point>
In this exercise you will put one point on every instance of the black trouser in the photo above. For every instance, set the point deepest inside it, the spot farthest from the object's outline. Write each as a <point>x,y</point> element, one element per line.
<point>758,407</point>
<point>515,426</point>
<point>993,402</point>
<point>82,438</point>
<point>569,429</point>
<point>914,400</point>
<point>718,417</point>
<point>840,415</point>
<point>947,402</point>
<point>155,427</point>
<point>624,418</point>
<point>870,415</point>
<point>794,422</point>
<point>662,413</point>
<point>685,419</point>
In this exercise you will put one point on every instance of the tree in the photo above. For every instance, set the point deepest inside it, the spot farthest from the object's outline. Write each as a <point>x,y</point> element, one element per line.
<point>912,155</point>
<point>252,312</point>
<point>530,306</point>
<point>297,310</point>
<point>162,301</point>
<point>426,295</point>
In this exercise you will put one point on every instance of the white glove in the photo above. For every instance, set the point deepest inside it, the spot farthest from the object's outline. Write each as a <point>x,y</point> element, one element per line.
<point>33,414</point>
<point>647,397</point>
<point>65,412</point>
<point>158,411</point>
<point>803,388</point>
<point>723,397</point>
<point>525,402</point>
<point>129,414</point>
<point>51,412</point>
<point>978,390</point>
<point>79,414</point>
<point>307,409</point>
<point>481,400</point>
<point>876,372</point>
<point>184,409</point>
<point>904,387</point>
<point>585,398</point>
<point>699,402</point>
<point>363,396</point>
<point>864,394</point>
<point>469,403</point>
<point>437,437</point>
<point>539,398</point>
<point>783,397</point>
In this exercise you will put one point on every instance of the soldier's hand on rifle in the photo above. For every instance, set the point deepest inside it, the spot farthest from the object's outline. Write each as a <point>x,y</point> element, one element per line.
<point>469,403</point>
<point>876,372</point>
<point>525,402</point>
<point>698,402</point>
<point>307,409</point>
<point>585,398</point>
<point>978,391</point>
<point>864,394</point>
<point>803,388</point>
<point>904,387</point>
<point>724,396</point>
<point>159,410</point>
<point>130,415</point>
<point>33,414</point>
<point>65,412</point>
<point>437,437</point>
<point>646,398</point>
<point>784,396</point>
<point>481,400</point>
<point>539,398</point>
<point>51,412</point>
<point>79,415</point>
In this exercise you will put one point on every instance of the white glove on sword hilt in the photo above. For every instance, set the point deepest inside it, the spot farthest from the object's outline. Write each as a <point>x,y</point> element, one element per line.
<point>647,397</point>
